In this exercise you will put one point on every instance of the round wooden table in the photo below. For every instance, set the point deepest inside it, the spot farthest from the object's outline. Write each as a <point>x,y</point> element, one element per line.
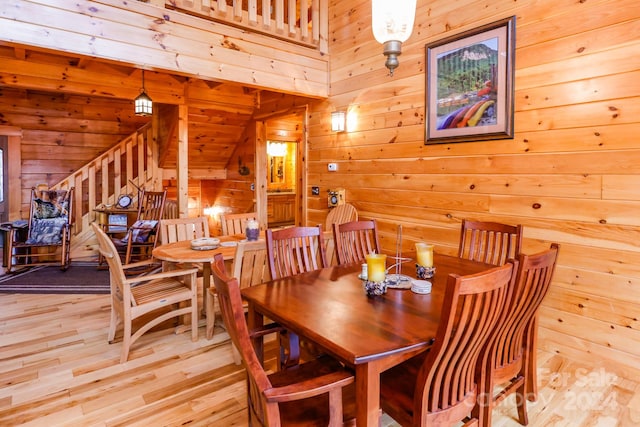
<point>181,252</point>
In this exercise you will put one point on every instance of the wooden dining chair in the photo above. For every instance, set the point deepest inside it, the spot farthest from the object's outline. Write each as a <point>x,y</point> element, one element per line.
<point>438,387</point>
<point>236,223</point>
<point>340,214</point>
<point>489,242</point>
<point>506,359</point>
<point>179,229</point>
<point>355,239</point>
<point>250,267</point>
<point>318,392</point>
<point>145,301</point>
<point>292,251</point>
<point>140,238</point>
<point>295,250</point>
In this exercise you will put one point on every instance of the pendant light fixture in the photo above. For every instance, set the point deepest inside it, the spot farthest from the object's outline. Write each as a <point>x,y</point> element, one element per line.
<point>143,104</point>
<point>392,23</point>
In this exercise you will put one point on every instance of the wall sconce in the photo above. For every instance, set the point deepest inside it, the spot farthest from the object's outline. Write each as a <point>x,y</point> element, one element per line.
<point>338,121</point>
<point>392,23</point>
<point>143,104</point>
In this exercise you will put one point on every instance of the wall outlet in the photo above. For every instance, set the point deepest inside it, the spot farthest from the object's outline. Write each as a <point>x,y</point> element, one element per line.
<point>332,167</point>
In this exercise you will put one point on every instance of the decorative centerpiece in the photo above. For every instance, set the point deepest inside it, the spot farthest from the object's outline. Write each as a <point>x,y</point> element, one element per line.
<point>424,261</point>
<point>375,283</point>
<point>205,243</point>
<point>252,231</point>
<point>375,288</point>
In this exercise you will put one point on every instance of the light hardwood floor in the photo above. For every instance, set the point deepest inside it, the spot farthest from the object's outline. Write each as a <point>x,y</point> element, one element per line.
<point>57,369</point>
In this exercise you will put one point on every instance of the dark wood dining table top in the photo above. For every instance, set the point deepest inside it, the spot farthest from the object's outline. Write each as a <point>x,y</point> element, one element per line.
<point>371,334</point>
<point>330,308</point>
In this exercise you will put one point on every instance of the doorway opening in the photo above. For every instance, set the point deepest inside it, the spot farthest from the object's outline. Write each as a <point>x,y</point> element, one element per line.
<point>282,162</point>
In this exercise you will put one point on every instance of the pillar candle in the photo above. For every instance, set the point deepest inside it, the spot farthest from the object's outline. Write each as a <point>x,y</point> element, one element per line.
<point>424,254</point>
<point>376,267</point>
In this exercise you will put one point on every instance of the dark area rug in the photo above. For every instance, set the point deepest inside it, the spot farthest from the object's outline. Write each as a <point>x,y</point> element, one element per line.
<point>78,279</point>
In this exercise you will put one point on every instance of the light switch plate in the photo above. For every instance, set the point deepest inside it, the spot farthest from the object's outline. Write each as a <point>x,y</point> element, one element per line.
<point>332,167</point>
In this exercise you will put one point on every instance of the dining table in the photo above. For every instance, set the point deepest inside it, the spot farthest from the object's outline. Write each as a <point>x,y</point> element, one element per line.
<point>370,334</point>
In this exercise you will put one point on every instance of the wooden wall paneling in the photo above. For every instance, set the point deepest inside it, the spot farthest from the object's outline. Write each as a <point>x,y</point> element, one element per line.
<point>605,309</point>
<point>120,28</point>
<point>620,363</point>
<point>569,175</point>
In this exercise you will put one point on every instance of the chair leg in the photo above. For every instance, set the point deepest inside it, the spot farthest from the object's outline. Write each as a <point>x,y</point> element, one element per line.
<point>521,401</point>
<point>194,310</point>
<point>236,355</point>
<point>126,340</point>
<point>210,312</point>
<point>113,325</point>
<point>531,364</point>
<point>485,402</point>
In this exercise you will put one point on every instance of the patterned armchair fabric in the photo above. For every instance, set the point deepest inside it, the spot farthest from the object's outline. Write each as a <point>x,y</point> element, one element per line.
<point>49,225</point>
<point>54,204</point>
<point>141,231</point>
<point>50,214</point>
<point>47,231</point>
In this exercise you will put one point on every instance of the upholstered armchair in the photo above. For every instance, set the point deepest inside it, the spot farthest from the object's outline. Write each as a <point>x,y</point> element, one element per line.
<point>48,237</point>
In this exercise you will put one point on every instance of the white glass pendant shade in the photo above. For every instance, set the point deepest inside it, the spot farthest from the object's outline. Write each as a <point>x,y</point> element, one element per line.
<point>143,105</point>
<point>392,24</point>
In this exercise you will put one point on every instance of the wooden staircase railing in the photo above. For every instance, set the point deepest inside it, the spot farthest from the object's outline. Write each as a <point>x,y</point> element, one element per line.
<point>304,22</point>
<point>129,164</point>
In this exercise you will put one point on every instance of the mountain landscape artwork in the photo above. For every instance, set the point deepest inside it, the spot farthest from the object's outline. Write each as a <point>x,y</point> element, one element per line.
<point>467,85</point>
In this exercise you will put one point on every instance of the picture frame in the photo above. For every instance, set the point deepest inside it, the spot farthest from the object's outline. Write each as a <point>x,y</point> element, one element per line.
<point>470,85</point>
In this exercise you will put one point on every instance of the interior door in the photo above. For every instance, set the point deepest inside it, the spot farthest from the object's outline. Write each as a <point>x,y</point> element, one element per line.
<point>4,190</point>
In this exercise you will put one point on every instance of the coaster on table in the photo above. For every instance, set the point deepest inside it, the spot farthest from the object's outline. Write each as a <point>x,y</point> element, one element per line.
<point>421,286</point>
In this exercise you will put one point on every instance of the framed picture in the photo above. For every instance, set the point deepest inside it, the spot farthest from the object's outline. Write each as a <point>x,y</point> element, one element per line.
<point>470,85</point>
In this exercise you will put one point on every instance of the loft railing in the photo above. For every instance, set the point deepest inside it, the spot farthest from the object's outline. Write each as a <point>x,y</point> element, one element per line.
<point>305,22</point>
<point>127,165</point>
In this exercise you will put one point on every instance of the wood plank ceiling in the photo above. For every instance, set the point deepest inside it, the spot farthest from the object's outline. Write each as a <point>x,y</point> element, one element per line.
<point>218,112</point>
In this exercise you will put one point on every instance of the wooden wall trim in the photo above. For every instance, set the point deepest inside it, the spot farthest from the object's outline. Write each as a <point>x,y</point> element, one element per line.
<point>14,169</point>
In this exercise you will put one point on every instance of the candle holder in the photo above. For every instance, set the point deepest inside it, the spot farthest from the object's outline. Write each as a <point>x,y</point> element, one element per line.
<point>375,288</point>
<point>423,272</point>
<point>252,230</point>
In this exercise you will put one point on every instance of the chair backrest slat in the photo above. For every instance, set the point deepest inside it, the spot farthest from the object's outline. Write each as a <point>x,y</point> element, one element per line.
<point>489,242</point>
<point>151,204</point>
<point>250,264</point>
<point>355,239</point>
<point>179,229</point>
<point>236,223</point>
<point>472,306</point>
<point>108,250</point>
<point>532,284</point>
<point>340,214</point>
<point>295,250</point>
